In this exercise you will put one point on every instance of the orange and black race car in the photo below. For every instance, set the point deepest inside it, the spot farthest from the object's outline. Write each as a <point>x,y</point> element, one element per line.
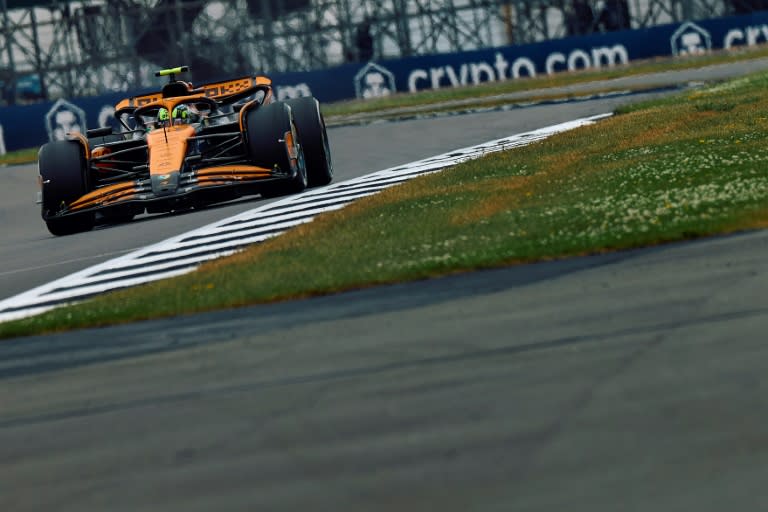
<point>184,147</point>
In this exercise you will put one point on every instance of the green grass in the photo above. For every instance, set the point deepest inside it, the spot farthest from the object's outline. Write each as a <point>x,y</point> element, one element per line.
<point>673,169</point>
<point>22,156</point>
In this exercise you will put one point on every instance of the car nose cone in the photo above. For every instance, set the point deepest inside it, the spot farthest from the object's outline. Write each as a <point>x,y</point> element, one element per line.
<point>165,184</point>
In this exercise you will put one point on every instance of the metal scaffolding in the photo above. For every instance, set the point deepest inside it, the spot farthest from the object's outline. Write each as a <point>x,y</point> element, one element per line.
<point>80,48</point>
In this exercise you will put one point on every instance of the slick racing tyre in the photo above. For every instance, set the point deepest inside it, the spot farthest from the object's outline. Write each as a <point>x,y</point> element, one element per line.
<point>64,178</point>
<point>312,134</point>
<point>266,129</point>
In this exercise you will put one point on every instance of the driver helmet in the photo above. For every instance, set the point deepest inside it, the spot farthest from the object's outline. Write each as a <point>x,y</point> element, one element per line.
<point>184,114</point>
<point>162,115</point>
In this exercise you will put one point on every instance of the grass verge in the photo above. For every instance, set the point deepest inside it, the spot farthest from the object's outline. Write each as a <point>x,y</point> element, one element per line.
<point>677,168</point>
<point>22,156</point>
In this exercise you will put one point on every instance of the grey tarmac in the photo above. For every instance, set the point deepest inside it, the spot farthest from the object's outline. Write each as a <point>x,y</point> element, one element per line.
<point>630,381</point>
<point>627,381</point>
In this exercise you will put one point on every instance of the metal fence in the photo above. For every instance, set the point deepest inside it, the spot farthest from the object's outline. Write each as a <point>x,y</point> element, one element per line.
<point>52,49</point>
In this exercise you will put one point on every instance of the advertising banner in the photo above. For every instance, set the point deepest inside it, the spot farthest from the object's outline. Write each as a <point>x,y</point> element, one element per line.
<point>32,125</point>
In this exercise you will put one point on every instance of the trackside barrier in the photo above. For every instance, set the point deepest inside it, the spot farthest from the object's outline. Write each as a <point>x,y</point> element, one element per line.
<point>32,125</point>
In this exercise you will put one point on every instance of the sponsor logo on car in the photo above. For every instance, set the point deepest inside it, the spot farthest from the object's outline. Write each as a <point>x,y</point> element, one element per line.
<point>374,81</point>
<point>690,39</point>
<point>63,118</point>
<point>227,88</point>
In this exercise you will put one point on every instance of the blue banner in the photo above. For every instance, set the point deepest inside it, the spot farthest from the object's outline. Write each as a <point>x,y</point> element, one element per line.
<point>32,125</point>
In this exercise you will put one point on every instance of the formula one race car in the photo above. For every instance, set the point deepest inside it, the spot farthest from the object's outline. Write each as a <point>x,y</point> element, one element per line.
<point>184,147</point>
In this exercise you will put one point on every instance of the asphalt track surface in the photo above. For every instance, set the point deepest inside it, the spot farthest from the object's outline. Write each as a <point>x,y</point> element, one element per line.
<point>30,256</point>
<point>630,381</point>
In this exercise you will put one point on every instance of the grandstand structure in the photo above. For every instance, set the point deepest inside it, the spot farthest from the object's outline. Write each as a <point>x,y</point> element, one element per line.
<point>80,48</point>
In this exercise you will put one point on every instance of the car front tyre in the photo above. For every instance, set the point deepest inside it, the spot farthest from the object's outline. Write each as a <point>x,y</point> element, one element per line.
<point>64,178</point>
<point>266,129</point>
<point>314,137</point>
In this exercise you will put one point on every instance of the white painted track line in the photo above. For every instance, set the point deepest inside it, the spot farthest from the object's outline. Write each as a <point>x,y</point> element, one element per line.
<point>184,253</point>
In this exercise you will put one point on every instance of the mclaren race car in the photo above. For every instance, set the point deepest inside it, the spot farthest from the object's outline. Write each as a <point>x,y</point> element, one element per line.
<point>181,148</point>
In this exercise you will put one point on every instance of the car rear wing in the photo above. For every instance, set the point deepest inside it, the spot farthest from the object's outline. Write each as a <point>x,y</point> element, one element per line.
<point>228,91</point>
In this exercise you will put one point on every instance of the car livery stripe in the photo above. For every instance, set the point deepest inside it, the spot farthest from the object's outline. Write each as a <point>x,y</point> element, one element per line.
<point>233,234</point>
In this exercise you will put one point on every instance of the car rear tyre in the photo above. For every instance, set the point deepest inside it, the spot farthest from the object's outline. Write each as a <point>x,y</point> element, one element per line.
<point>267,126</point>
<point>64,179</point>
<point>314,138</point>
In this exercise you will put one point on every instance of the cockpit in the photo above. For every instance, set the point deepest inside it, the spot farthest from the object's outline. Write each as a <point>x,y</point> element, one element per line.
<point>157,116</point>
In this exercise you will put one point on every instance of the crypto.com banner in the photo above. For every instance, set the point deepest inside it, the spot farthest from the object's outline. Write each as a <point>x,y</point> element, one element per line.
<point>32,125</point>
